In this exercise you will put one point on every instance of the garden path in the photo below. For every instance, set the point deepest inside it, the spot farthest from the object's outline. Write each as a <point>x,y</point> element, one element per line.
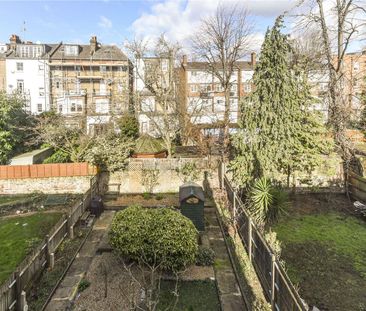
<point>67,290</point>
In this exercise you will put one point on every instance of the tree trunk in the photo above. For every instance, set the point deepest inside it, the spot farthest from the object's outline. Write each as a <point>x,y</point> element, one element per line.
<point>226,138</point>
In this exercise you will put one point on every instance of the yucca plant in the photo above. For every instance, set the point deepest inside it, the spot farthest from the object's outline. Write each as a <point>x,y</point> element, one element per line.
<point>266,202</point>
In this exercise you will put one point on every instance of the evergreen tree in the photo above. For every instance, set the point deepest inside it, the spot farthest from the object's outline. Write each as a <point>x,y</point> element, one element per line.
<point>279,132</point>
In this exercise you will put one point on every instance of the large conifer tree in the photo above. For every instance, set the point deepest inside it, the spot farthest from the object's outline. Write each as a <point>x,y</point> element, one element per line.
<point>279,132</point>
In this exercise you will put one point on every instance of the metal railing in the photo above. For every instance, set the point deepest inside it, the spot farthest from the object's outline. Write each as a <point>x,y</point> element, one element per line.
<point>276,285</point>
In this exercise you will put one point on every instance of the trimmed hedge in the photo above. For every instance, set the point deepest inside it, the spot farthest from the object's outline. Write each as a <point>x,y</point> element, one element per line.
<point>162,237</point>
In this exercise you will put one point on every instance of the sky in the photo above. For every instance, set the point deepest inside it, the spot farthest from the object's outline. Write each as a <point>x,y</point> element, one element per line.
<point>114,21</point>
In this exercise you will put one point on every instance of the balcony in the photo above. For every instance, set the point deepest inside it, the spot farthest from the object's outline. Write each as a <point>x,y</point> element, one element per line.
<point>75,93</point>
<point>103,93</point>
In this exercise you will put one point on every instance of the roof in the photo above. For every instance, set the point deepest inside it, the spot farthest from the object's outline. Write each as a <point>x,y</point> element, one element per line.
<point>148,144</point>
<point>191,189</point>
<point>204,65</point>
<point>103,52</point>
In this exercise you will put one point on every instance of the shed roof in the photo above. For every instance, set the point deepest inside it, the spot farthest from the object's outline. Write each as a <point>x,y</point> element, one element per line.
<point>190,189</point>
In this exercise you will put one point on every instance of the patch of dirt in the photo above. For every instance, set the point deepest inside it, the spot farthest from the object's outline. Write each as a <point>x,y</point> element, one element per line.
<point>327,279</point>
<point>313,203</point>
<point>164,199</point>
<point>110,286</point>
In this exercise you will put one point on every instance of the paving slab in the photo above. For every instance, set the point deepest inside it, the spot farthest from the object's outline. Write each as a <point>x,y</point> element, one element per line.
<point>60,305</point>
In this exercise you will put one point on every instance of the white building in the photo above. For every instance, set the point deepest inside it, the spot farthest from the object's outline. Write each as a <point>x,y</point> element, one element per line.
<point>27,72</point>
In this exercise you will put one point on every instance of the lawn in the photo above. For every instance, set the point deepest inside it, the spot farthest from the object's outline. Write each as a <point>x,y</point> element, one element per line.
<point>18,235</point>
<point>193,296</point>
<point>324,247</point>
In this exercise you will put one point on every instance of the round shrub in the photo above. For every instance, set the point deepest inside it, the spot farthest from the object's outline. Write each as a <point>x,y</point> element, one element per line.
<point>162,237</point>
<point>205,256</point>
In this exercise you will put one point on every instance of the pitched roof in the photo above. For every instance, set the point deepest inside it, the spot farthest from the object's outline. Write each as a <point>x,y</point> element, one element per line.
<point>191,189</point>
<point>103,52</point>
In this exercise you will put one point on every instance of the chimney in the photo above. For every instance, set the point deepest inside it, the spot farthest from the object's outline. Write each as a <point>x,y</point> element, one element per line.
<point>253,59</point>
<point>93,44</point>
<point>14,40</point>
<point>184,62</point>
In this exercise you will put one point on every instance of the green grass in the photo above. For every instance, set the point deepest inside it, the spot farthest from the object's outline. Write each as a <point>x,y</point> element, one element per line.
<point>193,296</point>
<point>18,235</point>
<point>343,234</point>
<point>325,253</point>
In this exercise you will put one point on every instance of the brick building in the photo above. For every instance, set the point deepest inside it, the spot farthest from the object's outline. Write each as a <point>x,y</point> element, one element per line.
<point>203,97</point>
<point>90,84</point>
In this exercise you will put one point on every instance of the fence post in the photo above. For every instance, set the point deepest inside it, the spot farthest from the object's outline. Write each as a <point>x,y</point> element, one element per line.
<point>273,275</point>
<point>222,174</point>
<point>18,291</point>
<point>49,255</point>
<point>70,228</point>
<point>250,239</point>
<point>234,208</point>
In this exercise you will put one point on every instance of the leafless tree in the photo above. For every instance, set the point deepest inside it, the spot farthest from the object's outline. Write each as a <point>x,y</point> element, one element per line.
<point>156,90</point>
<point>339,23</point>
<point>222,40</point>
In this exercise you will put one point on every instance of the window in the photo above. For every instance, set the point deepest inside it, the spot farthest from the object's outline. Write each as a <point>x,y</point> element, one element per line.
<point>122,68</point>
<point>24,51</point>
<point>41,91</point>
<point>73,107</point>
<point>193,73</point>
<point>193,88</point>
<point>39,107</point>
<point>79,107</point>
<point>219,105</point>
<point>234,88</point>
<point>20,67</point>
<point>102,106</point>
<point>103,68</point>
<point>120,88</point>
<point>72,50</point>
<point>164,65</point>
<point>247,87</point>
<point>57,84</point>
<point>218,88</point>
<point>77,68</point>
<point>20,86</point>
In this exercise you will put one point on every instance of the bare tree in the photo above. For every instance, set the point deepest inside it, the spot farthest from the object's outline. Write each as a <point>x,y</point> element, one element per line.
<point>222,40</point>
<point>339,23</point>
<point>156,92</point>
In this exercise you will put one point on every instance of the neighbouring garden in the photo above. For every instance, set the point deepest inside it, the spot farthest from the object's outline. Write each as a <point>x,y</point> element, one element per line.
<point>19,235</point>
<point>324,250</point>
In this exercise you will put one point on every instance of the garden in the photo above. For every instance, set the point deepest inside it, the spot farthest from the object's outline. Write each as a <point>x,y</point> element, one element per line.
<point>19,235</point>
<point>158,262</point>
<point>324,250</point>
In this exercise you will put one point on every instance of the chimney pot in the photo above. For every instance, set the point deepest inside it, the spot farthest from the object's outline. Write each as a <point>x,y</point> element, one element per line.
<point>184,60</point>
<point>93,44</point>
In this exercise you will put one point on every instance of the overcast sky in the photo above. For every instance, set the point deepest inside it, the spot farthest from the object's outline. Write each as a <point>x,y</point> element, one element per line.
<point>114,21</point>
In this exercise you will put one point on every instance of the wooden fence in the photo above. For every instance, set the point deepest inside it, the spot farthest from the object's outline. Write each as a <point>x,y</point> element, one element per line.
<point>11,291</point>
<point>356,186</point>
<point>46,170</point>
<point>276,284</point>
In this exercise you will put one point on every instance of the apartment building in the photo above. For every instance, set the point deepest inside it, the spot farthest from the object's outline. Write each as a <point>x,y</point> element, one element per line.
<point>204,98</point>
<point>154,80</point>
<point>355,75</point>
<point>27,72</point>
<point>90,84</point>
<point>3,50</point>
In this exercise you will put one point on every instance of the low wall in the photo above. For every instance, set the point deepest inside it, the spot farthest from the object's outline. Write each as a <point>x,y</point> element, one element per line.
<point>169,180</point>
<point>79,184</point>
